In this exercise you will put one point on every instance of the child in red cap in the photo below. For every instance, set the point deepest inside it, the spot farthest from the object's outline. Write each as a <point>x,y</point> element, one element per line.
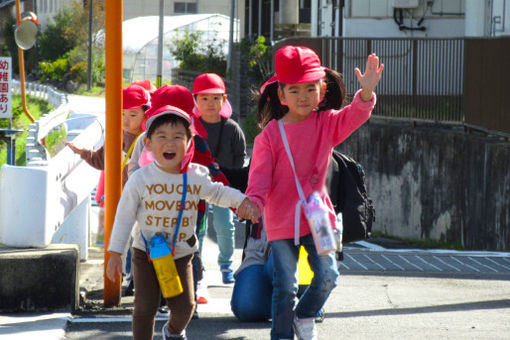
<point>181,97</point>
<point>299,109</point>
<point>135,101</point>
<point>228,147</point>
<point>169,137</point>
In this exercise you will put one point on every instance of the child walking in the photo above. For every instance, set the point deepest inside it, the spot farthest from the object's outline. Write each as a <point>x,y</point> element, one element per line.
<point>135,102</point>
<point>152,197</point>
<point>304,98</point>
<point>228,146</point>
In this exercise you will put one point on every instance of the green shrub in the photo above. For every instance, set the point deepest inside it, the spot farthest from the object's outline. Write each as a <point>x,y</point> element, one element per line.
<point>53,70</point>
<point>250,127</point>
<point>187,51</point>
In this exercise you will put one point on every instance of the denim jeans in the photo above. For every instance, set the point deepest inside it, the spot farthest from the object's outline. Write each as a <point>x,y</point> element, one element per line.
<point>252,294</point>
<point>285,284</point>
<point>223,220</point>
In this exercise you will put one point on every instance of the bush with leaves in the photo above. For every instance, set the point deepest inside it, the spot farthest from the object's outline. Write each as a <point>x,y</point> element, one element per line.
<point>187,51</point>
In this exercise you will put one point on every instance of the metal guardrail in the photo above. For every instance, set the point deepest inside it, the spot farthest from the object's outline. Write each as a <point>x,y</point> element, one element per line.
<point>37,131</point>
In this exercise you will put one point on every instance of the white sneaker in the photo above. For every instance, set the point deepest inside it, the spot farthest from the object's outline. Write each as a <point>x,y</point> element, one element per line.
<point>305,328</point>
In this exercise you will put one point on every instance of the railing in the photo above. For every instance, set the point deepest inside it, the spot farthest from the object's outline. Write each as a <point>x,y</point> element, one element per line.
<point>48,200</point>
<point>35,150</point>
<point>429,79</point>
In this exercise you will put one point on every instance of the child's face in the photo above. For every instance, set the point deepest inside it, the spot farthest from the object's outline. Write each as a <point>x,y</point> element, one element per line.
<point>301,98</point>
<point>210,105</point>
<point>168,144</point>
<point>132,120</point>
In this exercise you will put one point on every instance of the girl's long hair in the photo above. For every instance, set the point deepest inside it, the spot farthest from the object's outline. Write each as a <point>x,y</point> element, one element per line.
<point>269,106</point>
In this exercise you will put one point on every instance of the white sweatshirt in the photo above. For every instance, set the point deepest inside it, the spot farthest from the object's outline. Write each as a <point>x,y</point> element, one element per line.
<point>152,197</point>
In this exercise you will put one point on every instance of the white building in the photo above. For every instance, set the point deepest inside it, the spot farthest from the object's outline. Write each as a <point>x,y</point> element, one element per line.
<point>410,18</point>
<point>46,9</point>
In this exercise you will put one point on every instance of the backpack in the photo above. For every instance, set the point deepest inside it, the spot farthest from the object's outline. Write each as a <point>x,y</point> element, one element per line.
<point>348,193</point>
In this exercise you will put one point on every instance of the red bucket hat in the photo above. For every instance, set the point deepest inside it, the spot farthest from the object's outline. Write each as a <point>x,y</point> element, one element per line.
<point>174,95</point>
<point>180,97</point>
<point>172,110</point>
<point>209,83</point>
<point>166,110</point>
<point>297,64</point>
<point>134,96</point>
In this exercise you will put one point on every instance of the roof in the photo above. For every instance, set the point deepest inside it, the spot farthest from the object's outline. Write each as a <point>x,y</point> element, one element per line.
<point>138,32</point>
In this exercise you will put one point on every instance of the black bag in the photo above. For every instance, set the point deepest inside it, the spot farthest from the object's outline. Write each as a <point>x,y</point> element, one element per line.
<point>348,193</point>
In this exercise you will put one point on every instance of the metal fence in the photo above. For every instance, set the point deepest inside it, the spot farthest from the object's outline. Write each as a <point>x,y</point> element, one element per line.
<point>425,78</point>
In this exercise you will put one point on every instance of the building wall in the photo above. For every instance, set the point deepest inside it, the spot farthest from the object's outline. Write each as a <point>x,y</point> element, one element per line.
<point>375,18</point>
<point>46,9</point>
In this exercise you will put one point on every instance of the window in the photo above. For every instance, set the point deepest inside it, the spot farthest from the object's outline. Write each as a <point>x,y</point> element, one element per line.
<point>185,8</point>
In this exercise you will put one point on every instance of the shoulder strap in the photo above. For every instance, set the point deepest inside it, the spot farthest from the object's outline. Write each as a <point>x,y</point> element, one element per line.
<point>128,153</point>
<point>302,200</point>
<point>179,217</point>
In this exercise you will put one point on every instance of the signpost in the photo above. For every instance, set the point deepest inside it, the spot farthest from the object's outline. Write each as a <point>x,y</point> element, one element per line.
<point>5,87</point>
<point>6,108</point>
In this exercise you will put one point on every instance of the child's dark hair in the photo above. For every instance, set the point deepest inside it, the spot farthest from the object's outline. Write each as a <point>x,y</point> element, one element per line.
<point>269,106</point>
<point>169,119</point>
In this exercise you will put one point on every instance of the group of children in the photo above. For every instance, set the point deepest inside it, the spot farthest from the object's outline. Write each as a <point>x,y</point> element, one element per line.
<point>175,165</point>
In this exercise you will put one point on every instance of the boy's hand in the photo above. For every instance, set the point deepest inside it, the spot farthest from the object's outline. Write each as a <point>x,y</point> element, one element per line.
<point>371,77</point>
<point>74,148</point>
<point>114,267</point>
<point>249,211</point>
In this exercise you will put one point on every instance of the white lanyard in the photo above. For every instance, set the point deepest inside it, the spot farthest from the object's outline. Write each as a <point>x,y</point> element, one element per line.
<point>302,199</point>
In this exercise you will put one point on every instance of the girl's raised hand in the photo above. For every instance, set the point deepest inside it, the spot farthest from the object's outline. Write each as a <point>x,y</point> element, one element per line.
<point>371,77</point>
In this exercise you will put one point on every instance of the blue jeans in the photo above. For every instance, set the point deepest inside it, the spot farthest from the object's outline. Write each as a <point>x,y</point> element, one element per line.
<point>252,294</point>
<point>223,220</point>
<point>285,284</point>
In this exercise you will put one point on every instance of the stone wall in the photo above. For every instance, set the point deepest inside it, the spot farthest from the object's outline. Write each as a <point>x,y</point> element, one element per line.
<point>431,181</point>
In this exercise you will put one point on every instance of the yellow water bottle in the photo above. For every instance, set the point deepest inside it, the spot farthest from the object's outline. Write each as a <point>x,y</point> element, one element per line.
<point>164,265</point>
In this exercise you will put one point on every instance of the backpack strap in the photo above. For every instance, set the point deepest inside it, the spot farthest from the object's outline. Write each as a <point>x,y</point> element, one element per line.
<point>302,200</point>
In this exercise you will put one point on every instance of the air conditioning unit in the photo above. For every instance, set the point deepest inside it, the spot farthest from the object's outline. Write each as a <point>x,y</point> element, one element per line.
<point>405,3</point>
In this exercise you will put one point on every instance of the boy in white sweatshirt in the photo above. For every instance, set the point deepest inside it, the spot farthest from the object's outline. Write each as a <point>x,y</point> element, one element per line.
<point>152,197</point>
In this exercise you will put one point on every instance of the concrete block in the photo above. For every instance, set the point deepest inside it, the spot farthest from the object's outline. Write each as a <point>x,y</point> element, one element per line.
<point>43,279</point>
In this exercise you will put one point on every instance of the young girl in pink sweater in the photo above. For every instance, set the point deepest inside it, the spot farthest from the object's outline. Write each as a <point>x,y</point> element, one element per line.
<point>306,98</point>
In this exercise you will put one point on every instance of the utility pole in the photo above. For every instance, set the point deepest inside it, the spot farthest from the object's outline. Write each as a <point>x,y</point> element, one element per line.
<point>89,57</point>
<point>159,75</point>
<point>113,137</point>
<point>231,39</point>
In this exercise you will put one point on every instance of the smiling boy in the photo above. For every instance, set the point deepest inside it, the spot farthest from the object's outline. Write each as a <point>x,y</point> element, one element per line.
<point>169,138</point>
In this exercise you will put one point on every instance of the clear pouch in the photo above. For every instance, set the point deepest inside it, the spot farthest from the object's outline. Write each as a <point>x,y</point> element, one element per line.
<point>317,215</point>
<point>164,266</point>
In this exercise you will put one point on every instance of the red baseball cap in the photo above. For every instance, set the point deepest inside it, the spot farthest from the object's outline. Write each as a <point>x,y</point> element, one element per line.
<point>166,110</point>
<point>146,84</point>
<point>297,64</point>
<point>209,83</point>
<point>134,96</point>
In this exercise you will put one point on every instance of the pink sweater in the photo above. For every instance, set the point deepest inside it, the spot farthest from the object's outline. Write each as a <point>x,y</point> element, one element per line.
<point>271,183</point>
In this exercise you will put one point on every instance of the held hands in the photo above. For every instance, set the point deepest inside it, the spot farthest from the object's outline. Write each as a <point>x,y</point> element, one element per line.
<point>248,211</point>
<point>371,77</point>
<point>74,148</point>
<point>114,267</point>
